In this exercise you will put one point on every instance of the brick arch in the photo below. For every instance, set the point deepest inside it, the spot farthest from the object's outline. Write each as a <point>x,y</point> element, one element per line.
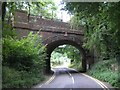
<point>50,39</point>
<point>60,40</point>
<point>54,44</point>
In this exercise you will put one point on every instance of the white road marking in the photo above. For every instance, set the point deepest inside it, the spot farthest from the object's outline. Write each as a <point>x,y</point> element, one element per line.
<point>99,82</point>
<point>40,85</point>
<point>73,81</point>
<point>49,81</point>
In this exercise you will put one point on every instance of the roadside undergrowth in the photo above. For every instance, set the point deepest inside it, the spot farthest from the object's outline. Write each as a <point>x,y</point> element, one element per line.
<point>106,71</point>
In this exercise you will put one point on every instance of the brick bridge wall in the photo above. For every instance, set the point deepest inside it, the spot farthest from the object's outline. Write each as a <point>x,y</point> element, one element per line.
<point>36,23</point>
<point>54,33</point>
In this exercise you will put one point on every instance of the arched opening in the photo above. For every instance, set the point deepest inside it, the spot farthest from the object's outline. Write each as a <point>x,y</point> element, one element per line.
<point>55,44</point>
<point>66,56</point>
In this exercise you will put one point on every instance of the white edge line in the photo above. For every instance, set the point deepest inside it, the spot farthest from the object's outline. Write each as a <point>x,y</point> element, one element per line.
<point>99,82</point>
<point>40,85</point>
<point>50,80</point>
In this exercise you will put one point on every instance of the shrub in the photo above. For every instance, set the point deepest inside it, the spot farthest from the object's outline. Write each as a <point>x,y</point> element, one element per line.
<point>23,61</point>
<point>20,79</point>
<point>8,31</point>
<point>102,71</point>
<point>23,54</point>
<point>76,66</point>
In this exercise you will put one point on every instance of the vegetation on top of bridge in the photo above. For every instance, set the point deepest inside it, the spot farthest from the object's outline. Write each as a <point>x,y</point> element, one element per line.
<point>21,17</point>
<point>42,8</point>
<point>23,21</point>
<point>102,32</point>
<point>20,21</point>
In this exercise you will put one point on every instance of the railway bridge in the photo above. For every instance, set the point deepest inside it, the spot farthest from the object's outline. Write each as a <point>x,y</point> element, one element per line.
<point>54,33</point>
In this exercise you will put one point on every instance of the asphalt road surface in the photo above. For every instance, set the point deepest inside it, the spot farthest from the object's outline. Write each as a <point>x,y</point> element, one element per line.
<point>69,78</point>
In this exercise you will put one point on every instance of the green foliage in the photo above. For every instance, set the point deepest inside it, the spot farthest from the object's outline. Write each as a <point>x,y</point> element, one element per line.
<point>76,65</point>
<point>75,22</point>
<point>23,61</point>
<point>56,59</point>
<point>22,54</point>
<point>20,79</point>
<point>103,70</point>
<point>42,8</point>
<point>8,31</point>
<point>69,52</point>
<point>56,63</point>
<point>101,30</point>
<point>101,34</point>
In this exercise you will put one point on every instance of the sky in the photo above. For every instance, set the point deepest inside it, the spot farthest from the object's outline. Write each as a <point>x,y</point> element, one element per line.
<point>61,14</point>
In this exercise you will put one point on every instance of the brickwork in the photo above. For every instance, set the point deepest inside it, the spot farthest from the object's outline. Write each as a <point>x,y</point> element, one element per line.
<point>48,28</point>
<point>36,22</point>
<point>54,33</point>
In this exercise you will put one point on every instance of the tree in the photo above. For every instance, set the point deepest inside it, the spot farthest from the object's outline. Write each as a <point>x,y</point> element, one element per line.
<point>102,32</point>
<point>42,8</point>
<point>71,52</point>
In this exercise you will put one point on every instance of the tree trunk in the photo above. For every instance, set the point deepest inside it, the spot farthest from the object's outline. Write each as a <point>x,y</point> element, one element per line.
<point>3,12</point>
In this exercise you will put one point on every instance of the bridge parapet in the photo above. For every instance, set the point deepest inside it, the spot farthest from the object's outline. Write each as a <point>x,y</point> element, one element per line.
<point>23,17</point>
<point>36,23</point>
